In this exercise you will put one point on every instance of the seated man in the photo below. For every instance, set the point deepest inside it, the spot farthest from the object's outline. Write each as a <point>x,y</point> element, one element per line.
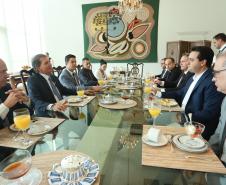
<point>86,75</point>
<point>199,96</point>
<point>10,99</point>
<point>173,72</point>
<point>69,76</point>
<point>182,79</point>
<point>101,71</point>
<point>44,89</point>
<point>164,71</point>
<point>217,140</point>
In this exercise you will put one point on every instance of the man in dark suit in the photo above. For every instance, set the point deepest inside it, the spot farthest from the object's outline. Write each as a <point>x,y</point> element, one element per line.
<point>10,99</point>
<point>86,75</point>
<point>163,73</point>
<point>199,96</point>
<point>44,89</point>
<point>182,79</point>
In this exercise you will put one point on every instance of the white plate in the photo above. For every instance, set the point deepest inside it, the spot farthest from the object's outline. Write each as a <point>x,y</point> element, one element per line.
<point>179,145</point>
<point>74,99</point>
<point>13,128</point>
<point>106,102</point>
<point>55,178</point>
<point>168,103</point>
<point>191,143</point>
<point>163,141</point>
<point>38,128</point>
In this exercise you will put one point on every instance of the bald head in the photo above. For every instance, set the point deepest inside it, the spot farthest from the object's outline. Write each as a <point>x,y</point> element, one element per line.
<point>3,73</point>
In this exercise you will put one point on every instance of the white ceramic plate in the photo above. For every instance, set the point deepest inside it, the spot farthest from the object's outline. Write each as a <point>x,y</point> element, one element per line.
<point>168,103</point>
<point>191,143</point>
<point>106,102</point>
<point>55,178</point>
<point>163,141</point>
<point>181,146</point>
<point>74,99</point>
<point>13,128</point>
<point>38,129</point>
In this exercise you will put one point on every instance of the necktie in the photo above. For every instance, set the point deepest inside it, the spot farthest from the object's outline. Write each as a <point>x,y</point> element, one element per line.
<point>55,90</point>
<point>164,73</point>
<point>181,78</point>
<point>75,75</point>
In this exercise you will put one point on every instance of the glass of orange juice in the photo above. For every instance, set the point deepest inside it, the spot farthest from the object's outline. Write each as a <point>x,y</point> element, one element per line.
<point>101,82</point>
<point>155,110</point>
<point>80,92</point>
<point>22,122</point>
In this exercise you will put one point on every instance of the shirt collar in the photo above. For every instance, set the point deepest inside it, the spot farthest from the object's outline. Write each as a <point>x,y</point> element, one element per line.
<point>45,76</point>
<point>185,72</point>
<point>197,77</point>
<point>222,47</point>
<point>70,72</point>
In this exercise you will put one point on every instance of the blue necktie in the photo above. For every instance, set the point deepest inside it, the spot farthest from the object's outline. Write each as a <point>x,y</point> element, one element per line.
<point>55,90</point>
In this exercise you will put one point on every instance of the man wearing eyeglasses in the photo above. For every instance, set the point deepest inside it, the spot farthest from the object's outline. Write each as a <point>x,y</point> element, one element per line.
<point>217,141</point>
<point>10,99</point>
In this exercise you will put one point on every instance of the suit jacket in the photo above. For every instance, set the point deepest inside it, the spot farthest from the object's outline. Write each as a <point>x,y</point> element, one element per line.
<point>172,85</point>
<point>68,81</point>
<point>160,75</point>
<point>204,102</point>
<point>216,138</point>
<point>3,97</point>
<point>87,77</point>
<point>41,94</point>
<point>173,74</point>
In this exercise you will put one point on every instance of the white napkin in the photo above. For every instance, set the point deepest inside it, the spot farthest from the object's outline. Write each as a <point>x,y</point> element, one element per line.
<point>153,135</point>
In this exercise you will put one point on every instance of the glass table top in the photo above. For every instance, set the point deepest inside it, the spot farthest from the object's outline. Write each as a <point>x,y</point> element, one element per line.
<point>104,135</point>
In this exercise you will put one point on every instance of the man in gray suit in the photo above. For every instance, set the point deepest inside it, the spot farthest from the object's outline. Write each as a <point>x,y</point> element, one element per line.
<point>217,140</point>
<point>69,76</point>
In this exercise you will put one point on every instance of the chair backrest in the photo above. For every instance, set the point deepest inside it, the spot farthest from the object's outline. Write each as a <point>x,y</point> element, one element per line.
<point>57,70</point>
<point>24,74</point>
<point>135,69</point>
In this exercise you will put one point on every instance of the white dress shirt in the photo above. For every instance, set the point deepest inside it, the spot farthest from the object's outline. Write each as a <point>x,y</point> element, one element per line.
<point>190,89</point>
<point>3,111</point>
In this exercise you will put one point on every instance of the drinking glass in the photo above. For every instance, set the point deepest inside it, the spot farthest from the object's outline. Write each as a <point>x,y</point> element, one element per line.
<point>22,122</point>
<point>155,110</point>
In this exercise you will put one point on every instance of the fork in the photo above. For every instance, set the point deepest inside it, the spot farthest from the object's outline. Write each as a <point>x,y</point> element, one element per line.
<point>170,137</point>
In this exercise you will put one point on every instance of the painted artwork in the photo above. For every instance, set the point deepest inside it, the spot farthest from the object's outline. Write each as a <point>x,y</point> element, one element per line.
<point>116,37</point>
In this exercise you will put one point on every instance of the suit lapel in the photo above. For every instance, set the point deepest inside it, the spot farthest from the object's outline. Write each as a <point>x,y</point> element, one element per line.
<point>45,84</point>
<point>205,75</point>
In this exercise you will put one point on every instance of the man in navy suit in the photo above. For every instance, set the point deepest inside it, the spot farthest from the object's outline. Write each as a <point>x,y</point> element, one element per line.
<point>86,75</point>
<point>44,89</point>
<point>199,96</point>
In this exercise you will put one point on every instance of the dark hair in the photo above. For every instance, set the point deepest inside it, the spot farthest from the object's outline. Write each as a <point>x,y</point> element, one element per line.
<point>205,53</point>
<point>68,57</point>
<point>85,58</point>
<point>185,54</point>
<point>102,62</point>
<point>172,59</point>
<point>221,36</point>
<point>164,59</point>
<point>36,61</point>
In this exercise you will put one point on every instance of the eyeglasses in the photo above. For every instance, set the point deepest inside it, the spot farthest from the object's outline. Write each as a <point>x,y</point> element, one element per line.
<point>217,72</point>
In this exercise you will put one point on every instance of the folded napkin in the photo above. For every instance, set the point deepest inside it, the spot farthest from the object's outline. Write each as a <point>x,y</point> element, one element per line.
<point>153,135</point>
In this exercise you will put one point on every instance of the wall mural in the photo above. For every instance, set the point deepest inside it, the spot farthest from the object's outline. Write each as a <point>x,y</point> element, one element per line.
<point>116,37</point>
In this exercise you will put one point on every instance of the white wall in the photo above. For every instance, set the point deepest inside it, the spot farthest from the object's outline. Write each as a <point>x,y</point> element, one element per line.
<point>178,20</point>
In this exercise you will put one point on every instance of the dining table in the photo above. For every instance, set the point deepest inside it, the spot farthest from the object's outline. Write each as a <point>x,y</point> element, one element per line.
<point>113,138</point>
